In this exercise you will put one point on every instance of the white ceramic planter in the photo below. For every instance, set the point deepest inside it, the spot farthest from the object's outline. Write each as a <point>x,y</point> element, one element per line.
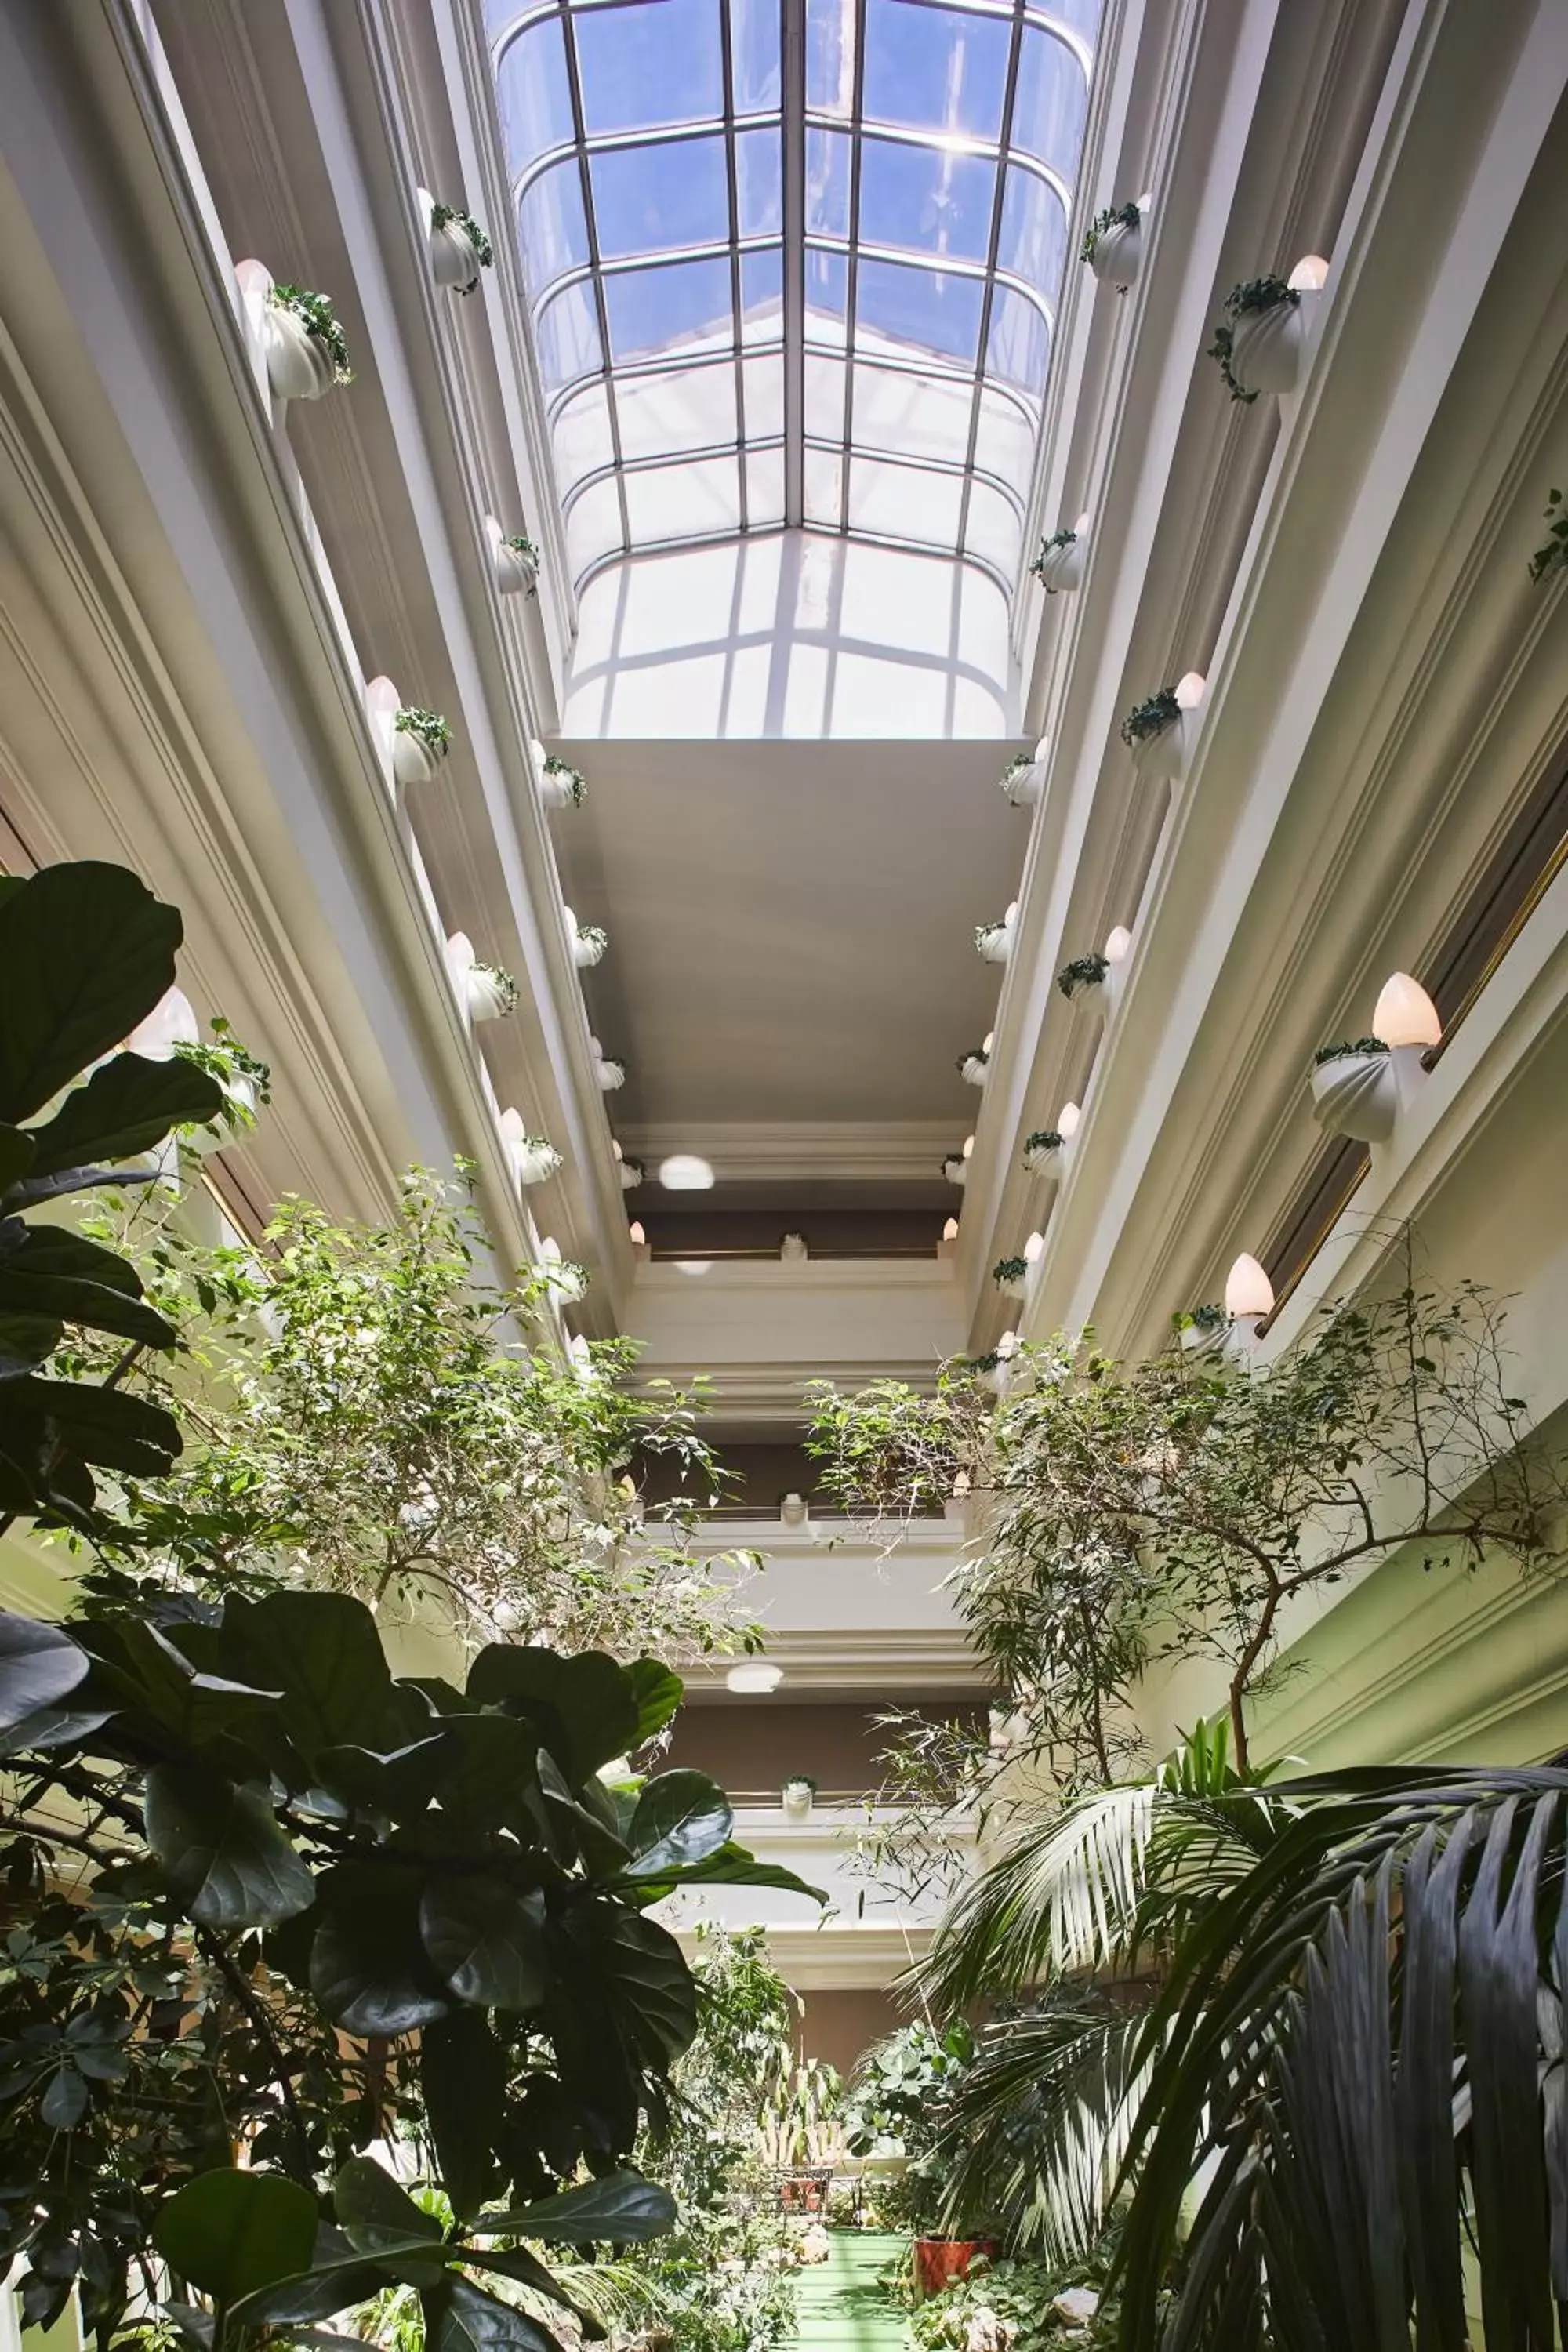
<point>974,1069</point>
<point>453,260</point>
<point>1061,571</point>
<point>413,761</point>
<point>586,951</point>
<point>798,1796</point>
<point>1043,1159</point>
<point>1356,1095</point>
<point>610,1074</point>
<point>1015,1287</point>
<point>298,366</point>
<point>993,943</point>
<point>486,993</point>
<point>793,1249</point>
<point>515,575</point>
<point>1092,995</point>
<point>534,1160</point>
<point>1118,256</point>
<point>555,791</point>
<point>1162,758</point>
<point>568,1282</point>
<point>955,1170</point>
<point>630,1174</point>
<point>1022,785</point>
<point>1201,1338</point>
<point>792,1509</point>
<point>1268,348</point>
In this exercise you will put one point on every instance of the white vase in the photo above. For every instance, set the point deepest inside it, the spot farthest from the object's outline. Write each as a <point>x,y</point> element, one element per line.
<point>1356,1095</point>
<point>1162,758</point>
<point>1061,571</point>
<point>453,261</point>
<point>487,998</point>
<point>994,944</point>
<point>515,575</point>
<point>1118,255</point>
<point>1268,348</point>
<point>413,761</point>
<point>299,365</point>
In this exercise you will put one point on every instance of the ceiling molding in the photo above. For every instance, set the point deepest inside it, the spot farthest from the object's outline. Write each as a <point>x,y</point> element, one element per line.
<point>891,1661</point>
<point>839,1955</point>
<point>890,1151</point>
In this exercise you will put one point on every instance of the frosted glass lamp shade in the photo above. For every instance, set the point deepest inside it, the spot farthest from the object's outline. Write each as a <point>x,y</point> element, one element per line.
<point>754,1675</point>
<point>1067,1120</point>
<point>1405,1014</point>
<point>1118,945</point>
<point>1247,1289</point>
<point>635,1234</point>
<point>950,1231</point>
<point>1310,276</point>
<point>1033,1247</point>
<point>1189,690</point>
<point>172,1022</point>
<point>969,1147</point>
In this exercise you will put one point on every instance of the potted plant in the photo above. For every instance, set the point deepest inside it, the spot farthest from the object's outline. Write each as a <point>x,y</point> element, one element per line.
<point>1021,779</point>
<point>1085,978</point>
<point>1154,731</point>
<point>563,1277</point>
<point>306,350</point>
<point>632,1173</point>
<point>420,742</point>
<point>1354,1089</point>
<point>955,1167</point>
<point>973,1065</point>
<point>589,942</point>
<point>1262,341</point>
<point>799,1789</point>
<point>516,561</point>
<point>894,2119</point>
<point>560,785</point>
<point>993,1369</point>
<point>459,248</point>
<point>489,992</point>
<point>1043,1151</point>
<point>534,1157</point>
<point>993,941</point>
<point>1059,564</point>
<point>1113,245</point>
<point>1010,1275</point>
<point>609,1070</point>
<point>1552,555</point>
<point>1200,1327</point>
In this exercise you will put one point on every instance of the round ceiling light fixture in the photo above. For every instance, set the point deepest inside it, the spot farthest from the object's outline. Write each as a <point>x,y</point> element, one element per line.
<point>684,1171</point>
<point>754,1675</point>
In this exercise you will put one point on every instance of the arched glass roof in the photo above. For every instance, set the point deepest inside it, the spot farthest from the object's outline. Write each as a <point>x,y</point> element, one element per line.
<point>793,262</point>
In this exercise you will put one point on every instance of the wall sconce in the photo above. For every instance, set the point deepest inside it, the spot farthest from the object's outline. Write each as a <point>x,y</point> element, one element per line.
<point>1248,1297</point>
<point>637,1238</point>
<point>754,1676</point>
<point>1032,1249</point>
<point>1310,276</point>
<point>1406,1020</point>
<point>1189,690</point>
<point>1118,945</point>
<point>1067,1119</point>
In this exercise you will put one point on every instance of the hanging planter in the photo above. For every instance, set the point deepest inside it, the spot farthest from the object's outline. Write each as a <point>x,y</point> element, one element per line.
<point>1261,343</point>
<point>588,945</point>
<point>1058,567</point>
<point>1043,1151</point>
<point>458,249</point>
<point>610,1071</point>
<point>993,1371</point>
<point>632,1173</point>
<point>1155,733</point>
<point>515,565</point>
<point>560,785</point>
<point>1113,245</point>
<point>489,992</point>
<point>1355,1089</point>
<point>566,1280</point>
<point>799,1789</point>
<point>1010,1274</point>
<point>420,742</point>
<point>1551,556</point>
<point>973,1065</point>
<point>955,1167</point>
<point>1021,780</point>
<point>535,1159</point>
<point>306,351</point>
<point>1202,1328</point>
<point>1083,981</point>
<point>993,941</point>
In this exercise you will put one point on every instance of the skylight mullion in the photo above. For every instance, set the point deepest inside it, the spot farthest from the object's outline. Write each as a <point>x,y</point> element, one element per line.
<point>852,270</point>
<point>574,87</point>
<point>727,49</point>
<point>993,256</point>
<point>791,164</point>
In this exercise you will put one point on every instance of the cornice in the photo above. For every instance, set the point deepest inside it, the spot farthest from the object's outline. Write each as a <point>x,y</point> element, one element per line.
<point>839,1152</point>
<point>892,1663</point>
<point>838,1956</point>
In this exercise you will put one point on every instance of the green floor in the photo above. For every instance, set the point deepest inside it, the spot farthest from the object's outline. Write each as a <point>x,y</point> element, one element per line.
<point>841,2306</point>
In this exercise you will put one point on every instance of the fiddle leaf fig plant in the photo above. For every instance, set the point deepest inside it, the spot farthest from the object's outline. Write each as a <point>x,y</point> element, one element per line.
<point>85,952</point>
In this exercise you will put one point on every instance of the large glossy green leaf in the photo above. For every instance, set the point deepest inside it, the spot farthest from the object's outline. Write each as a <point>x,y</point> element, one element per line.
<point>73,1280</point>
<point>639,1972</point>
<point>732,1865</point>
<point>462,2073</point>
<point>378,2216</point>
<point>623,2210</point>
<point>90,1424</point>
<point>232,2233</point>
<point>369,1967</point>
<point>485,1939</point>
<point>39,1665</point>
<point>222,1850</point>
<point>141,1666</point>
<point>487,1769</point>
<point>127,1106</point>
<point>682,1818</point>
<point>657,1692</point>
<point>25,1342</point>
<point>517,2263</point>
<point>338,2275</point>
<point>585,1710</point>
<point>323,1651</point>
<point>86,951</point>
<point>461,2317</point>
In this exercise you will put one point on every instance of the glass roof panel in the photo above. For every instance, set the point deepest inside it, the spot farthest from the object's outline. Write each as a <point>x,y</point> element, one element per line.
<point>794,260</point>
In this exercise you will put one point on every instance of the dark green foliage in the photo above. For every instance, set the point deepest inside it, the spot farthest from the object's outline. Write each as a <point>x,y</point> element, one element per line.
<point>427,727</point>
<point>1247,300</point>
<point>1084,971</point>
<point>1010,1269</point>
<point>86,951</point>
<point>1152,717</point>
<point>1346,1047</point>
<point>897,2104</point>
<point>1114,216</point>
<point>322,319</point>
<point>1552,555</point>
<point>255,1784</point>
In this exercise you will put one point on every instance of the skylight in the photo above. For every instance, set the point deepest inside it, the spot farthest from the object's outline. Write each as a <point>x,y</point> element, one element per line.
<point>793,261</point>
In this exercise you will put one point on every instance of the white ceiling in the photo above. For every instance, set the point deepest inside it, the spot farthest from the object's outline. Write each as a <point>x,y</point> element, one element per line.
<point>791,924</point>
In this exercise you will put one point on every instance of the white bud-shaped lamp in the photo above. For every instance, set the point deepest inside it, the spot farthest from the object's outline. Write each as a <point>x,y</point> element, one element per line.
<point>1247,1290</point>
<point>1118,945</point>
<point>172,1022</point>
<point>1032,1248</point>
<point>1066,1121</point>
<point>1405,1014</point>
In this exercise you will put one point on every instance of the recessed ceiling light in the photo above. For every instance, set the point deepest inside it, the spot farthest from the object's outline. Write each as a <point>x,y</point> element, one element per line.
<point>683,1172</point>
<point>755,1676</point>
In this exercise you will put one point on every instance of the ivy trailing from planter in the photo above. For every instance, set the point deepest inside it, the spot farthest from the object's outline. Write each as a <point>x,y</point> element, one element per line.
<point>1147,719</point>
<point>1084,971</point>
<point>1114,216</point>
<point>1346,1048</point>
<point>1044,1139</point>
<point>1057,542</point>
<point>427,728</point>
<point>1009,1270</point>
<point>453,217</point>
<point>1250,299</point>
<point>321,322</point>
<point>594,937</point>
<point>975,1054</point>
<point>501,980</point>
<point>573,778</point>
<point>1209,1317</point>
<point>518,544</point>
<point>1554,555</point>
